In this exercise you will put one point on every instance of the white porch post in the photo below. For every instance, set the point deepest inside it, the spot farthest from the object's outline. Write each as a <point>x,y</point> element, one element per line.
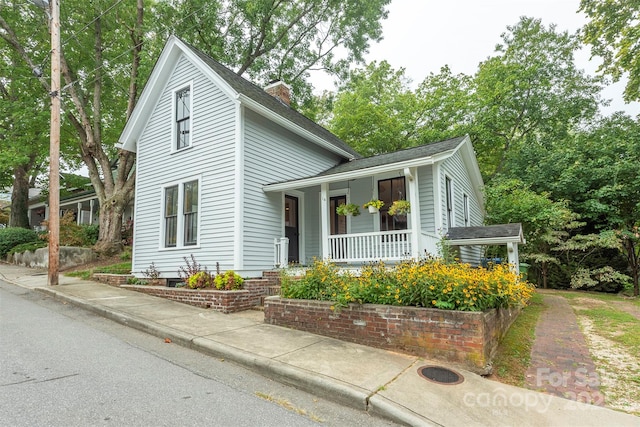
<point>512,256</point>
<point>79,212</point>
<point>46,212</point>
<point>412,176</point>
<point>91,211</point>
<point>324,219</point>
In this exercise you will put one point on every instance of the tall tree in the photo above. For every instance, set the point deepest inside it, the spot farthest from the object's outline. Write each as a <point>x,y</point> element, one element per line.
<point>613,35</point>
<point>109,49</point>
<point>23,121</point>
<point>530,89</point>
<point>601,177</point>
<point>375,111</point>
<point>277,39</point>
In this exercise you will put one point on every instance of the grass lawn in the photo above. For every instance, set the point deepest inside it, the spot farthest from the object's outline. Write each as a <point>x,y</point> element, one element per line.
<point>119,268</point>
<point>514,353</point>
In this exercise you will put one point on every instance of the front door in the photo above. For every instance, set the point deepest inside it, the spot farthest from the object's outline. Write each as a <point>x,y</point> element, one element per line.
<point>337,225</point>
<point>291,227</point>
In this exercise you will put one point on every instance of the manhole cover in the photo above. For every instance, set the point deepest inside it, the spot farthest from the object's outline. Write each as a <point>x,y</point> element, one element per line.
<point>440,375</point>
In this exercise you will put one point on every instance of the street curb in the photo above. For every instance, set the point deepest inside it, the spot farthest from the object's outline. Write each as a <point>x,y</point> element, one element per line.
<point>316,384</point>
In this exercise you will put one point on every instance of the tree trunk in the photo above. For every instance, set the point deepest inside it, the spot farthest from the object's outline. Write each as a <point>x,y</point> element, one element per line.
<point>19,216</point>
<point>110,237</point>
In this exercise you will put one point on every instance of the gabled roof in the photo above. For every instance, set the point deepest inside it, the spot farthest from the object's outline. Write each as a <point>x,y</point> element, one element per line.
<point>423,151</point>
<point>250,95</point>
<point>487,235</point>
<point>411,157</point>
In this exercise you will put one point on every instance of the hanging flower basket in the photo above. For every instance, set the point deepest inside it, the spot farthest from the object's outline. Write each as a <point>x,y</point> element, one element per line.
<point>373,205</point>
<point>400,207</point>
<point>348,209</point>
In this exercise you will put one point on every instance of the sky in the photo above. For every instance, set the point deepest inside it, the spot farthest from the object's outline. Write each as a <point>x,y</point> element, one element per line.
<point>424,35</point>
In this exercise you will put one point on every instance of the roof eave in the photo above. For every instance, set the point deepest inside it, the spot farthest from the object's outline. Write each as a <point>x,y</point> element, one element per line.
<point>359,173</point>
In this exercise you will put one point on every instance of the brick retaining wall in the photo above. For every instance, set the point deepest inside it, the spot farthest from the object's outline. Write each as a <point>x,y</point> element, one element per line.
<point>466,338</point>
<point>252,295</point>
<point>111,279</point>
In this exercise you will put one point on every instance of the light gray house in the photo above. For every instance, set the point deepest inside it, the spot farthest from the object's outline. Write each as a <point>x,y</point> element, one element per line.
<point>227,172</point>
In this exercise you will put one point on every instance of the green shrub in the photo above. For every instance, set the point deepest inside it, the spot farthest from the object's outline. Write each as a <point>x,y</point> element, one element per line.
<point>31,246</point>
<point>199,280</point>
<point>228,281</point>
<point>14,236</point>
<point>90,234</point>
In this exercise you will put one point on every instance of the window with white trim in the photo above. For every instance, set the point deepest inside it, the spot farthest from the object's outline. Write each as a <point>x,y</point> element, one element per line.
<point>181,214</point>
<point>182,117</point>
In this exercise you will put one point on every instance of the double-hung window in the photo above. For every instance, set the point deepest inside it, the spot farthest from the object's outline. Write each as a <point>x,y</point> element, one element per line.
<point>183,117</point>
<point>181,214</point>
<point>390,190</point>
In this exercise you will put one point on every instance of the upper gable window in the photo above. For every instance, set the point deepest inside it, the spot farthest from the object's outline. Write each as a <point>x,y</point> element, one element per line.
<point>182,118</point>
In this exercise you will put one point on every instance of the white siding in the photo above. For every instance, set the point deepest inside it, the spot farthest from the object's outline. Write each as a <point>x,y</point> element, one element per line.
<point>210,158</point>
<point>273,154</point>
<point>454,168</point>
<point>425,189</point>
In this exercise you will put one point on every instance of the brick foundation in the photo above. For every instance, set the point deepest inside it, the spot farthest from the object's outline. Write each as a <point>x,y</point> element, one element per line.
<point>469,339</point>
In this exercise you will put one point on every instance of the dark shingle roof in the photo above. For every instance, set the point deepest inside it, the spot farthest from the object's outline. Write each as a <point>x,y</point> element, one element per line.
<point>257,94</point>
<point>486,232</point>
<point>396,156</point>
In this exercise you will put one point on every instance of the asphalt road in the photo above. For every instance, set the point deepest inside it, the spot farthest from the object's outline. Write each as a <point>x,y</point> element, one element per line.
<point>63,366</point>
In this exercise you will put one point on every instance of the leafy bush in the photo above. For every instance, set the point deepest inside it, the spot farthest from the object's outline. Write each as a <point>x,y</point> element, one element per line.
<point>228,281</point>
<point>423,283</point>
<point>31,246</point>
<point>199,280</point>
<point>90,234</point>
<point>72,234</point>
<point>14,236</point>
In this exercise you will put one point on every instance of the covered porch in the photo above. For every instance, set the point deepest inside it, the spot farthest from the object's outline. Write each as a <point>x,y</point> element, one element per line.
<point>312,228</point>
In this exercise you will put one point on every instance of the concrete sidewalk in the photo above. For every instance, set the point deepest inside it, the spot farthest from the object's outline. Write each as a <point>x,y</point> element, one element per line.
<point>384,383</point>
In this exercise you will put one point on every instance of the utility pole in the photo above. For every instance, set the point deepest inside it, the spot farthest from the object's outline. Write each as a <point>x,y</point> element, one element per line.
<point>54,148</point>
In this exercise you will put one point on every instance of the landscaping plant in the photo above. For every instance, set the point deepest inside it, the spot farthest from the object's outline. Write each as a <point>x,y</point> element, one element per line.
<point>423,283</point>
<point>14,236</point>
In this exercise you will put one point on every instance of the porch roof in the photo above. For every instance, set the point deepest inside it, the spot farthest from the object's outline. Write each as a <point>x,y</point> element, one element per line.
<point>411,157</point>
<point>488,235</point>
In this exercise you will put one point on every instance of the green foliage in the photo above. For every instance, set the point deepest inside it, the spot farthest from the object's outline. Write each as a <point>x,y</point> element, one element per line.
<point>199,280</point>
<point>514,352</point>
<point>322,281</point>
<point>14,236</point>
<point>119,268</point>
<point>400,207</point>
<point>268,40</point>
<point>529,91</point>
<point>72,234</point>
<point>376,111</point>
<point>613,35</point>
<point>424,283</point>
<point>30,246</point>
<point>375,203</point>
<point>228,281</point>
<point>90,233</point>
<point>348,209</point>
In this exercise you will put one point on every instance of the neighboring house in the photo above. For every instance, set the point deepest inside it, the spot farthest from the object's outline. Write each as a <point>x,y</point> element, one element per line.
<point>79,198</point>
<point>227,173</point>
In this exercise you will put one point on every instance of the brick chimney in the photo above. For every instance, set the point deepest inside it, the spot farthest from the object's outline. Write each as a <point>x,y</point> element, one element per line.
<point>279,90</point>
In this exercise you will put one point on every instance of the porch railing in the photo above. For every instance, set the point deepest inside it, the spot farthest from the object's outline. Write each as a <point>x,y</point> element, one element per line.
<point>281,252</point>
<point>380,245</point>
